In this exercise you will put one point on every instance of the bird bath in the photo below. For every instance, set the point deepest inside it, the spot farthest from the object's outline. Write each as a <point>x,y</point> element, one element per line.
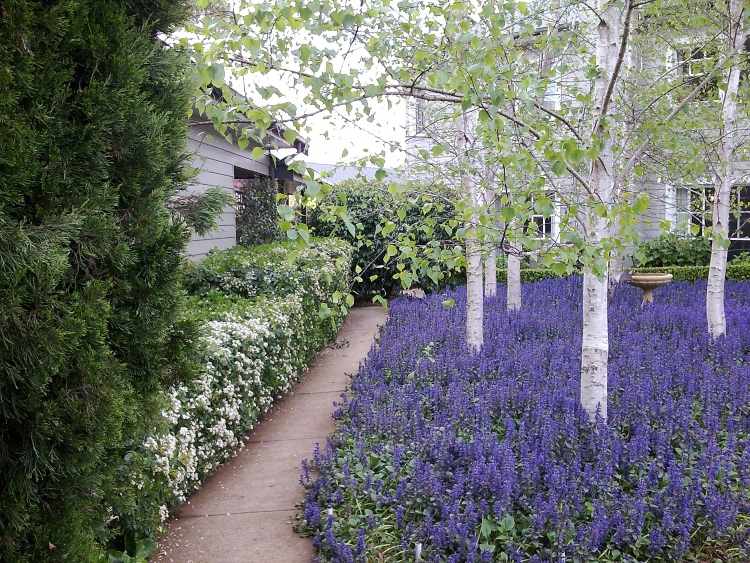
<point>648,283</point>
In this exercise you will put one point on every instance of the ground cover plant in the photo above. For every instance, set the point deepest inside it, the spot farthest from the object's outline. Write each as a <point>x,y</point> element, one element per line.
<point>490,457</point>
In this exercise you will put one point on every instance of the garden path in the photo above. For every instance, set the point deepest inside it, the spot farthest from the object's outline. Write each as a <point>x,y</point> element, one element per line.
<point>244,512</point>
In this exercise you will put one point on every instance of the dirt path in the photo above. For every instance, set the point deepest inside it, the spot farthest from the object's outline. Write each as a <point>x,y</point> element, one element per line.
<point>245,511</point>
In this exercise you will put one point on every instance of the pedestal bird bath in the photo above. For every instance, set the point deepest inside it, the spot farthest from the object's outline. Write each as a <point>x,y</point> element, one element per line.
<point>648,283</point>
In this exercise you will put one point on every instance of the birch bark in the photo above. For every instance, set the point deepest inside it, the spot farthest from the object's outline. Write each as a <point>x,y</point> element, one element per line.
<point>490,258</point>
<point>474,272</point>
<point>595,341</point>
<point>716,317</point>
<point>513,278</point>
<point>490,270</point>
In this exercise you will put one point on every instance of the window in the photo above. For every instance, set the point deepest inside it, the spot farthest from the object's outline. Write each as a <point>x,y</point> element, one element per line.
<point>739,213</point>
<point>543,226</point>
<point>694,207</point>
<point>420,117</point>
<point>682,210</point>
<point>701,206</point>
<point>695,64</point>
<point>540,226</point>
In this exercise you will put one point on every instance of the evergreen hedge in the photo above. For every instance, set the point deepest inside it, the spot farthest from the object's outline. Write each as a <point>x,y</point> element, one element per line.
<point>93,112</point>
<point>739,272</point>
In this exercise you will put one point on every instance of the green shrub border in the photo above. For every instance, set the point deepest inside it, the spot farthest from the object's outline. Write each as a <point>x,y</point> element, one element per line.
<point>737,272</point>
<point>261,309</point>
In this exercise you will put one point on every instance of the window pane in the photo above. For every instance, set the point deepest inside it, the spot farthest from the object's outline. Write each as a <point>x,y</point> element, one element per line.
<point>743,230</point>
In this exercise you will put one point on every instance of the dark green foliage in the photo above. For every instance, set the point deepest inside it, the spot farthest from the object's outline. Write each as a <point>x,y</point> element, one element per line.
<point>739,272</point>
<point>93,113</point>
<point>531,275</point>
<point>356,211</point>
<point>674,250</point>
<point>201,211</point>
<point>257,219</point>
<point>741,258</point>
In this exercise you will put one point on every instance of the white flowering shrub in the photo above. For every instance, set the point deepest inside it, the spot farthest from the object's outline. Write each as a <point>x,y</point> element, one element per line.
<point>255,346</point>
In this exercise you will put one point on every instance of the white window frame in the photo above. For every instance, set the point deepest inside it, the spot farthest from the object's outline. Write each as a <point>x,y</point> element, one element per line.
<point>550,223</point>
<point>685,218</point>
<point>691,217</point>
<point>688,49</point>
<point>737,209</point>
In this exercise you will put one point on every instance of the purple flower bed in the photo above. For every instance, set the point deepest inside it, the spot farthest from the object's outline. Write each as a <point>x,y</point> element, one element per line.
<point>490,457</point>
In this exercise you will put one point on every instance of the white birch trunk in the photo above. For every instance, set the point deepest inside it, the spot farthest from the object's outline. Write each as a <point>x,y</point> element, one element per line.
<point>474,272</point>
<point>618,263</point>
<point>490,271</point>
<point>513,278</point>
<point>717,323</point>
<point>490,257</point>
<point>595,341</point>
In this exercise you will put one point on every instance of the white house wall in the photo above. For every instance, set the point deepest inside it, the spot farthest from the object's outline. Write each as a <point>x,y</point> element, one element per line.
<point>215,158</point>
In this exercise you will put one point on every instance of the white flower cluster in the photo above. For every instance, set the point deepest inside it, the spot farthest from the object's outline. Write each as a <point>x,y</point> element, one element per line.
<point>250,359</point>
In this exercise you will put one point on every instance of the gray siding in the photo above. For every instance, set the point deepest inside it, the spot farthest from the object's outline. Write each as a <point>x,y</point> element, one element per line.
<point>651,220</point>
<point>215,158</point>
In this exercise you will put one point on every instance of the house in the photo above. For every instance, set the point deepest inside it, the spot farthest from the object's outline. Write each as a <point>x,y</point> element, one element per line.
<point>683,205</point>
<point>221,162</point>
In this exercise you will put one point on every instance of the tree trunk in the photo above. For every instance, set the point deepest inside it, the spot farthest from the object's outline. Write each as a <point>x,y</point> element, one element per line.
<point>619,262</point>
<point>513,275</point>
<point>595,341</point>
<point>490,258</point>
<point>616,271</point>
<point>595,347</point>
<point>490,271</point>
<point>474,273</point>
<point>717,323</point>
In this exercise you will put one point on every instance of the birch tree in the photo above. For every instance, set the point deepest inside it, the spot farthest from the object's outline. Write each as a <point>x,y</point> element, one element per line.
<point>736,35</point>
<point>474,270</point>
<point>478,57</point>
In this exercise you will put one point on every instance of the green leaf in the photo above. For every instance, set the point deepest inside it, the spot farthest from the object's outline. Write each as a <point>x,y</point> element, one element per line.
<point>507,524</point>
<point>290,135</point>
<point>559,168</point>
<point>312,188</point>
<point>216,73</point>
<point>325,311</point>
<point>258,153</point>
<point>488,524</point>
<point>388,228</point>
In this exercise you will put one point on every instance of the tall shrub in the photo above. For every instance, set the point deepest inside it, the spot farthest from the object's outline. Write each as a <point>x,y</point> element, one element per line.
<point>674,250</point>
<point>419,224</point>
<point>257,219</point>
<point>93,112</point>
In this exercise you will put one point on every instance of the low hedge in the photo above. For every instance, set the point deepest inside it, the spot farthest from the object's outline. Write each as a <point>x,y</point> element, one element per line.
<point>679,273</point>
<point>693,273</point>
<point>257,340</point>
<point>530,275</point>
